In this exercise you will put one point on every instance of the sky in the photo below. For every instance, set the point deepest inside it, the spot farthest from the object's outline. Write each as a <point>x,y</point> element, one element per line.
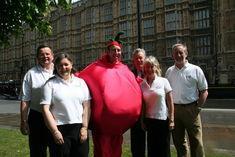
<point>75,1</point>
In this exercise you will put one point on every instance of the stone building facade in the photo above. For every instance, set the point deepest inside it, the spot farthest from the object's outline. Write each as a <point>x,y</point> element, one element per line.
<point>207,27</point>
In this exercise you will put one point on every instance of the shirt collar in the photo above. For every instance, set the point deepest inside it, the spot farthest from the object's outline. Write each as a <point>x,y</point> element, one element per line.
<point>39,67</point>
<point>184,67</point>
<point>65,81</point>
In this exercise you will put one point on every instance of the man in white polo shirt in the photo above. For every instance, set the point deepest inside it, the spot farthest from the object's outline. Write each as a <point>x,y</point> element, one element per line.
<point>189,94</point>
<point>32,122</point>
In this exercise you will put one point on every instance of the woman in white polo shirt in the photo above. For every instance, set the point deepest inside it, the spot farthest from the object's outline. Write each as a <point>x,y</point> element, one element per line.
<point>66,109</point>
<point>158,109</point>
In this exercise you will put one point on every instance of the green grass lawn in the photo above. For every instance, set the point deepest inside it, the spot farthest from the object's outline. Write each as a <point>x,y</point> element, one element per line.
<point>14,144</point>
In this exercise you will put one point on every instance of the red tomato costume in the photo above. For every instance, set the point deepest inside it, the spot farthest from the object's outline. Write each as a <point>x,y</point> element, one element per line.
<point>116,104</point>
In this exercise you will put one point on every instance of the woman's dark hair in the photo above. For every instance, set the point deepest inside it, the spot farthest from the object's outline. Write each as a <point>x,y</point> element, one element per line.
<point>58,58</point>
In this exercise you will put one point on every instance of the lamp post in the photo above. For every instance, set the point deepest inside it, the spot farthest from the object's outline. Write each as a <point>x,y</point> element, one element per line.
<point>216,22</point>
<point>139,24</point>
<point>22,55</point>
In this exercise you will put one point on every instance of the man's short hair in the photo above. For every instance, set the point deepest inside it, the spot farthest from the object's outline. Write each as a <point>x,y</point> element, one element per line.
<point>42,46</point>
<point>180,44</point>
<point>136,51</point>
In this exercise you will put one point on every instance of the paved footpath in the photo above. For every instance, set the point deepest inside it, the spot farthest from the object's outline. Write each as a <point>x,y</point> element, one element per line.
<point>9,106</point>
<point>9,113</point>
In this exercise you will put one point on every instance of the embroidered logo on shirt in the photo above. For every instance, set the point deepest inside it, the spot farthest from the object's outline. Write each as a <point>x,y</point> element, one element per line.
<point>188,76</point>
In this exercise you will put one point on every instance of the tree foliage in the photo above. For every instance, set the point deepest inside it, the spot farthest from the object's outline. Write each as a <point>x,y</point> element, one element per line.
<point>16,13</point>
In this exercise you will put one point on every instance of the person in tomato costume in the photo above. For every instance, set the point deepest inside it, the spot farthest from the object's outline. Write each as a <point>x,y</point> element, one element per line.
<point>116,100</point>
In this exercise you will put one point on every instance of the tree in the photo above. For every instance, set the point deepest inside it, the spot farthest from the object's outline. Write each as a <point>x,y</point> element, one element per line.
<point>16,13</point>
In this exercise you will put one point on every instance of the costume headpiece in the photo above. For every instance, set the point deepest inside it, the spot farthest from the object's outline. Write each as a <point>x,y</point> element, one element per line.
<point>115,41</point>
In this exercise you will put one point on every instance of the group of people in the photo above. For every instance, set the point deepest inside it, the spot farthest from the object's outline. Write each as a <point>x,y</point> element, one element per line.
<point>170,104</point>
<point>55,107</point>
<point>59,105</point>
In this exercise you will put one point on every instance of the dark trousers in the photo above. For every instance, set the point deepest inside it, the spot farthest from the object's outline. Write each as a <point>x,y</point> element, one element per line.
<point>72,146</point>
<point>39,136</point>
<point>138,139</point>
<point>158,138</point>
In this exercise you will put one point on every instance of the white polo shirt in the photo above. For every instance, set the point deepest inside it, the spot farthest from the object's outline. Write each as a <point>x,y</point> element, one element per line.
<point>65,99</point>
<point>186,83</point>
<point>33,81</point>
<point>155,98</point>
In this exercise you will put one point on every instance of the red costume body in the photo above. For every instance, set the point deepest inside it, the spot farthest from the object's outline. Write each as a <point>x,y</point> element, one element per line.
<point>116,104</point>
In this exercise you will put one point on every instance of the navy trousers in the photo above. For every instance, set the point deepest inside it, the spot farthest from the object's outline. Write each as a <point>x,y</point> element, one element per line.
<point>39,137</point>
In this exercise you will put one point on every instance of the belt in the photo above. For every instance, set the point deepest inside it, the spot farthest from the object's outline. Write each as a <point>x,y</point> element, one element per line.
<point>185,105</point>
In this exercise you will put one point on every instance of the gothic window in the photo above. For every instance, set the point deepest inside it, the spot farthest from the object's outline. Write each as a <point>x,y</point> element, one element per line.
<point>148,27</point>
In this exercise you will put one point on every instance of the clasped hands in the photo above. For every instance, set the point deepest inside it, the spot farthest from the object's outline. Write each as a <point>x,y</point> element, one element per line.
<point>58,137</point>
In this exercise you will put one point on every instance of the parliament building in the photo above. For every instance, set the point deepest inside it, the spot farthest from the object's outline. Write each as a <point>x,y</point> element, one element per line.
<point>207,27</point>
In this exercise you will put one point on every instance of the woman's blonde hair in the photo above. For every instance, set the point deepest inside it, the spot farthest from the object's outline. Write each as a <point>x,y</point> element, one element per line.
<point>154,63</point>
